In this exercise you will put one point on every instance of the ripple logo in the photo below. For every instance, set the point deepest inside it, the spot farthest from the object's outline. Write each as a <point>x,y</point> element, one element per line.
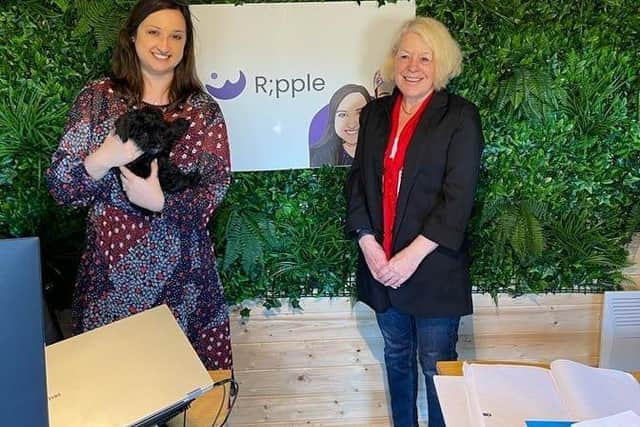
<point>228,90</point>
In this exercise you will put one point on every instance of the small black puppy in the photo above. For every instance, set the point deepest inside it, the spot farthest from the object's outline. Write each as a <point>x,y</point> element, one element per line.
<point>155,137</point>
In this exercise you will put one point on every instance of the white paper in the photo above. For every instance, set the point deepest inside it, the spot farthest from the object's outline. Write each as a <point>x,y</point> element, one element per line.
<point>453,400</point>
<point>595,392</point>
<point>507,395</point>
<point>623,419</point>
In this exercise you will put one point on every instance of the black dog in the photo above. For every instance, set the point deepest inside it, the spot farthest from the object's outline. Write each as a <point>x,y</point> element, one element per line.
<point>155,137</point>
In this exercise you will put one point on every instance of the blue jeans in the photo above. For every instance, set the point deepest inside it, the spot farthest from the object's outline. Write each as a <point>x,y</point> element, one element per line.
<point>433,339</point>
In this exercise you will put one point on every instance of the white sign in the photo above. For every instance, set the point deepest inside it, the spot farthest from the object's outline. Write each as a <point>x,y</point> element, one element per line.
<point>274,67</point>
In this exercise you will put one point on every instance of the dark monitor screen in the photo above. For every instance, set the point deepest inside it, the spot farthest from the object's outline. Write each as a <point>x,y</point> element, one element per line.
<point>23,382</point>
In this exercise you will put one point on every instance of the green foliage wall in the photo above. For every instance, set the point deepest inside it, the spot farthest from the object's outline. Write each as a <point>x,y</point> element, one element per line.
<point>558,89</point>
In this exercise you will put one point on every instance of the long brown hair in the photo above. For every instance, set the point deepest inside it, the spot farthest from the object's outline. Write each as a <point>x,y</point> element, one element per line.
<point>330,135</point>
<point>125,66</point>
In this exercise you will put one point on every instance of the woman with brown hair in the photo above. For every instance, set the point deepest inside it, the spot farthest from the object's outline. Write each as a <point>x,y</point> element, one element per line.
<point>136,258</point>
<point>338,144</point>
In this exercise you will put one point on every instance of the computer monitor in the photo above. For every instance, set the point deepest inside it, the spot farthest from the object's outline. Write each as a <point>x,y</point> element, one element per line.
<point>23,384</point>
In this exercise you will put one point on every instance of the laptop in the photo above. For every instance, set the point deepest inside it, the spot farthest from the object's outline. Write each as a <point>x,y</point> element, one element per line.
<point>22,367</point>
<point>127,373</point>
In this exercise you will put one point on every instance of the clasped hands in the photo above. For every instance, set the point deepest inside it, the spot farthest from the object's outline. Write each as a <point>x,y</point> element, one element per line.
<point>397,270</point>
<point>144,192</point>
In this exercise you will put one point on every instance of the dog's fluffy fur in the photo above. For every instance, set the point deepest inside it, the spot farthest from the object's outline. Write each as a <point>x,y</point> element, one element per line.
<point>155,137</point>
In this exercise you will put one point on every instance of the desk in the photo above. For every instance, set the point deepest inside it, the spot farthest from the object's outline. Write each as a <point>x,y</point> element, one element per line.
<point>455,367</point>
<point>203,410</point>
<point>451,389</point>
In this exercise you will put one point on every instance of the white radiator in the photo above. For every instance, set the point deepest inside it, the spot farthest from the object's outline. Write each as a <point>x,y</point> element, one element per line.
<point>620,333</point>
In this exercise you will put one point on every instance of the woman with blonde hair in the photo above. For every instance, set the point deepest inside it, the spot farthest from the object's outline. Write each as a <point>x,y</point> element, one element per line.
<point>410,193</point>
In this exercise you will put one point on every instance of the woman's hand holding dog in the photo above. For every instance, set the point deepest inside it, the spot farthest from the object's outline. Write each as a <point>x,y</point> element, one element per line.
<point>112,153</point>
<point>143,192</point>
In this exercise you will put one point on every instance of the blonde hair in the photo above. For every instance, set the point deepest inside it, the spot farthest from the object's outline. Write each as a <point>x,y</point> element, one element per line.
<point>446,52</point>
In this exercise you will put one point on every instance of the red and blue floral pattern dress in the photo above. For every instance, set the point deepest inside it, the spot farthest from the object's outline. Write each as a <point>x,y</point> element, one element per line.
<point>136,260</point>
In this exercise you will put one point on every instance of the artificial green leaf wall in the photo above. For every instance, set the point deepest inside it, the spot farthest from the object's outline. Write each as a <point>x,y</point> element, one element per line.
<point>558,87</point>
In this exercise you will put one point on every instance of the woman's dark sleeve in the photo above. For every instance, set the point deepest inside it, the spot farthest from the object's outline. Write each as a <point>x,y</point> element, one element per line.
<point>194,206</point>
<point>357,212</point>
<point>68,180</point>
<point>447,222</point>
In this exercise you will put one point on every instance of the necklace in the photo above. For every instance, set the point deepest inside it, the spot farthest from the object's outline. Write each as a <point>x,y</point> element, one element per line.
<point>405,110</point>
<point>157,102</point>
<point>158,98</point>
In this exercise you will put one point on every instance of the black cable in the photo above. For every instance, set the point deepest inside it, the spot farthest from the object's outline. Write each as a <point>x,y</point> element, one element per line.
<point>233,393</point>
<point>222,403</point>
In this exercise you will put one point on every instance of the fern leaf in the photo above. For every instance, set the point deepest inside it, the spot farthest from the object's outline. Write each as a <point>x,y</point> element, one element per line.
<point>524,93</point>
<point>103,19</point>
<point>233,241</point>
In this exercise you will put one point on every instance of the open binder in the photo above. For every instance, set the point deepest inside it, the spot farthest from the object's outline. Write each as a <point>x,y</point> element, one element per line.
<point>509,395</point>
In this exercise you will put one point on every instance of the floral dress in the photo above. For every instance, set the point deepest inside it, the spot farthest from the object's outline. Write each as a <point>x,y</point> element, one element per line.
<point>135,260</point>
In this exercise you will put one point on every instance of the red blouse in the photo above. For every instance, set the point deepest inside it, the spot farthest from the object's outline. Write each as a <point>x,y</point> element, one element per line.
<point>393,164</point>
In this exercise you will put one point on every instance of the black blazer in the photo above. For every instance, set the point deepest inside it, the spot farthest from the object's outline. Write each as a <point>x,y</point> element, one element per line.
<point>435,199</point>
